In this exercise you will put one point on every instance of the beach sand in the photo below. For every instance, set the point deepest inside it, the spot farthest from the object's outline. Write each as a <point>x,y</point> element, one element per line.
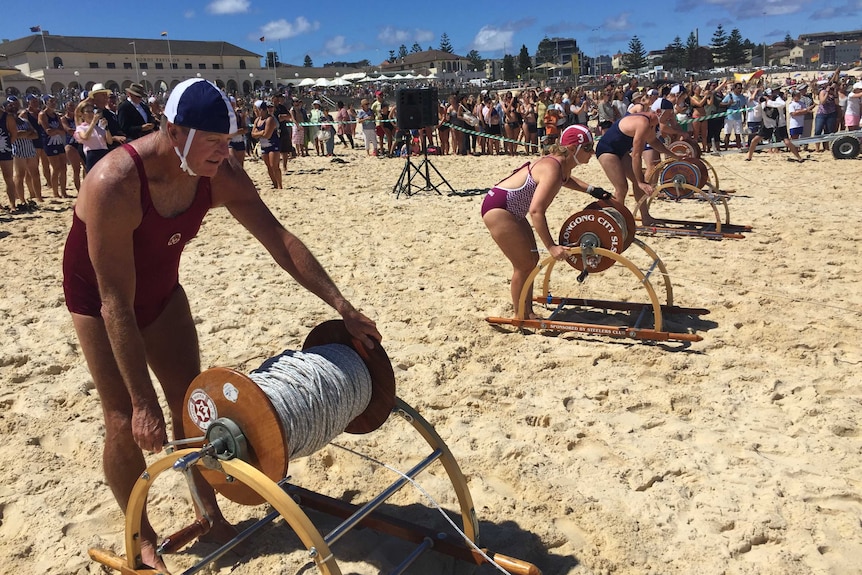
<point>738,454</point>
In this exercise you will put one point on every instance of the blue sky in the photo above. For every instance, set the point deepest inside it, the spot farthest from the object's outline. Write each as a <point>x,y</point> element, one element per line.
<point>341,31</point>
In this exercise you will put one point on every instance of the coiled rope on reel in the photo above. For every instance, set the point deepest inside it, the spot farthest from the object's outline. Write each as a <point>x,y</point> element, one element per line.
<point>316,393</point>
<point>292,405</point>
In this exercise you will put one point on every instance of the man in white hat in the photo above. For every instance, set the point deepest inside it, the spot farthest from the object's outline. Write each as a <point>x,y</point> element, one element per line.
<point>98,98</point>
<point>134,114</point>
<point>135,213</point>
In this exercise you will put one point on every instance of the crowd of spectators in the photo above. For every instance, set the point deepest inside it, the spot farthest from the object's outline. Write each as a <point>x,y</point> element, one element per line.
<point>71,130</point>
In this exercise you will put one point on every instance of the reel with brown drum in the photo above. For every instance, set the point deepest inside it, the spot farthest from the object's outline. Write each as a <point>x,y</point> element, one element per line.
<point>680,179</point>
<point>604,224</point>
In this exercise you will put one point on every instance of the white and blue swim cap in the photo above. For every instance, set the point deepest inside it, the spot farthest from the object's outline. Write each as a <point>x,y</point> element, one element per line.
<point>199,104</point>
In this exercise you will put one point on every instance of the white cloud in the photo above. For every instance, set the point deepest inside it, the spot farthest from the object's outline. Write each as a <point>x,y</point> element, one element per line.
<point>620,22</point>
<point>390,35</point>
<point>423,35</point>
<point>337,46</point>
<point>490,39</point>
<point>228,6</point>
<point>281,29</point>
<point>189,14</point>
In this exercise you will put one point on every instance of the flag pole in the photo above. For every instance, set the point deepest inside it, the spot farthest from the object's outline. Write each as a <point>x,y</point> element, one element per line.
<point>44,49</point>
<point>137,72</point>
<point>170,56</point>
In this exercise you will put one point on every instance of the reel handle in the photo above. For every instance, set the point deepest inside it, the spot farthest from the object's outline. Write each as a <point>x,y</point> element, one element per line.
<point>175,542</point>
<point>515,566</point>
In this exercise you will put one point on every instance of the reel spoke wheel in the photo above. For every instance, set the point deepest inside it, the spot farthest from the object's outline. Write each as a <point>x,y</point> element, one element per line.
<point>607,224</point>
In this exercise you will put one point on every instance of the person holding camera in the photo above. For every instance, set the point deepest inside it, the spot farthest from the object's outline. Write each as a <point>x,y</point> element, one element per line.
<point>92,131</point>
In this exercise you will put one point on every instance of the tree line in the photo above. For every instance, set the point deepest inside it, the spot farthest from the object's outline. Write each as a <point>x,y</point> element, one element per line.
<point>725,50</point>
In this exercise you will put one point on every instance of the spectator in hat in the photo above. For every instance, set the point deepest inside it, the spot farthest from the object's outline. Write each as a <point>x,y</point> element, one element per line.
<point>99,97</point>
<point>130,225</point>
<point>134,115</point>
<point>315,117</point>
<point>529,190</point>
<point>637,103</point>
<point>93,134</point>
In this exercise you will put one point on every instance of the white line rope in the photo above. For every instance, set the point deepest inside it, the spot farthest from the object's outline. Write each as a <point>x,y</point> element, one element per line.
<point>316,393</point>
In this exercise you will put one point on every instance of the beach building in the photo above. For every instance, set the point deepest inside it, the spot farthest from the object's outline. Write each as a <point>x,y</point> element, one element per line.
<point>46,63</point>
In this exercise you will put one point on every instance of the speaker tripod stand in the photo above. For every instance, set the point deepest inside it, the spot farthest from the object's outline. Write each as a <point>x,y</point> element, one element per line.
<point>412,171</point>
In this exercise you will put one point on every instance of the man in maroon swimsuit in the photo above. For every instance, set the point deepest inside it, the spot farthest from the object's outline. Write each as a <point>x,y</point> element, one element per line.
<point>134,214</point>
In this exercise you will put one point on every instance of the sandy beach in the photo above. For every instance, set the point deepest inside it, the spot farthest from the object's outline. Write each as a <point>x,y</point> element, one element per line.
<point>738,454</point>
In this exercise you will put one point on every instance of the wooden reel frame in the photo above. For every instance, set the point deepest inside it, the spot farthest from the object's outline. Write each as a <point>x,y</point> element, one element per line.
<point>656,333</point>
<point>257,480</point>
<point>695,178</point>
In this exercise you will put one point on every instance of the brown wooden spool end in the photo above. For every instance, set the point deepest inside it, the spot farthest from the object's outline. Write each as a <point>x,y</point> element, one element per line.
<point>378,364</point>
<point>222,392</point>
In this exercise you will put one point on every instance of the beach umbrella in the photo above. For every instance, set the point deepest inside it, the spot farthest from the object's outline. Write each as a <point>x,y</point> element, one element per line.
<point>321,82</point>
<point>340,82</point>
<point>307,82</point>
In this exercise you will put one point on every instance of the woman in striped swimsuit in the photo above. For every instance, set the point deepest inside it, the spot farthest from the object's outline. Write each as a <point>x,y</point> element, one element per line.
<point>25,161</point>
<point>531,191</point>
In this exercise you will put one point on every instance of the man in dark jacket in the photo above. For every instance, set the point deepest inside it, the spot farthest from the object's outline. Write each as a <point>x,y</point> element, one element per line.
<point>134,115</point>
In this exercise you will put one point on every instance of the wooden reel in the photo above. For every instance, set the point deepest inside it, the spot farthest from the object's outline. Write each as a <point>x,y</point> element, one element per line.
<point>677,178</point>
<point>222,392</point>
<point>690,178</point>
<point>260,475</point>
<point>603,224</point>
<point>595,239</point>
